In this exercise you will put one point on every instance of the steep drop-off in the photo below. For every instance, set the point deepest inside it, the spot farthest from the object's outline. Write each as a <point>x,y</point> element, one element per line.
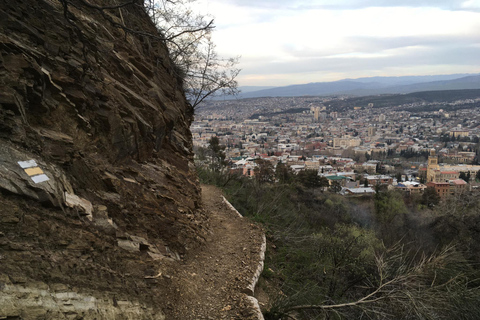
<point>97,187</point>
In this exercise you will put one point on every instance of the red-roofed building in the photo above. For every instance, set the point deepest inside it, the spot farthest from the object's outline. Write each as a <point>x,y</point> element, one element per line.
<point>451,187</point>
<point>458,186</point>
<point>442,188</point>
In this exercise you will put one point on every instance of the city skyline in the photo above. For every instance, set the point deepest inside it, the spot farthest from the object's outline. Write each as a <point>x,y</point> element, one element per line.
<point>295,42</point>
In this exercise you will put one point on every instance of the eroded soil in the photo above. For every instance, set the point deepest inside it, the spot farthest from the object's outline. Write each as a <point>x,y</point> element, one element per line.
<point>211,281</point>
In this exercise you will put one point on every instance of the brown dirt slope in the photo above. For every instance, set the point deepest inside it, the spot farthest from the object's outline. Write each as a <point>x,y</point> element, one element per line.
<point>212,280</point>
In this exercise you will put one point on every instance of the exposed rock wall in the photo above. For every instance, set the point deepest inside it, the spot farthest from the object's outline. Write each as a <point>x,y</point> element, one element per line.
<point>40,301</point>
<point>97,187</point>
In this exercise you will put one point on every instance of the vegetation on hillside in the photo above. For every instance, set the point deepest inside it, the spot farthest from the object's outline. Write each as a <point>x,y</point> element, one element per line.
<point>388,256</point>
<point>425,101</point>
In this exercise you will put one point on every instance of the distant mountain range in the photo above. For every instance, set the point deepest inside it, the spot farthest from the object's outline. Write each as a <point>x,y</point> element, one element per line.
<point>367,86</point>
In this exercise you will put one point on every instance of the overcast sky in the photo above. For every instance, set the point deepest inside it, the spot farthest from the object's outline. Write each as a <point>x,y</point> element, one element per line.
<point>284,42</point>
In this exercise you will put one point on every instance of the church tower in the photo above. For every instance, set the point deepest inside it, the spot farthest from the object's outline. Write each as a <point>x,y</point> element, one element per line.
<point>432,166</point>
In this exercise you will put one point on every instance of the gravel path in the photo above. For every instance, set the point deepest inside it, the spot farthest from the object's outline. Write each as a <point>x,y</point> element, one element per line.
<point>212,280</point>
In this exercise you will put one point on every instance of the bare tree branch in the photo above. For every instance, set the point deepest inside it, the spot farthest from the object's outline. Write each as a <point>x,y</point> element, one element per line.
<point>404,283</point>
<point>186,35</point>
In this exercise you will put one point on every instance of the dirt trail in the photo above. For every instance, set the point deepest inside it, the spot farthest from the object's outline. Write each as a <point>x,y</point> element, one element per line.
<point>211,281</point>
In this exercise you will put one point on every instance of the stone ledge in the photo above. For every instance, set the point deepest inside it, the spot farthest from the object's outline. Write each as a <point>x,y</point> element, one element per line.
<point>43,302</point>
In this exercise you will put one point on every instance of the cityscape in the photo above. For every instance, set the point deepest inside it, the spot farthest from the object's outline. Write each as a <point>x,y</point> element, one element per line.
<point>353,139</point>
<point>239,160</point>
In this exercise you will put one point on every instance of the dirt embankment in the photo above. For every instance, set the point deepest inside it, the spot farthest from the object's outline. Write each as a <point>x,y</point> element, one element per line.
<point>212,281</point>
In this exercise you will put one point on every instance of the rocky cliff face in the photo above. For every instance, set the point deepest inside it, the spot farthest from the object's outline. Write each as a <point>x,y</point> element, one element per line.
<point>97,188</point>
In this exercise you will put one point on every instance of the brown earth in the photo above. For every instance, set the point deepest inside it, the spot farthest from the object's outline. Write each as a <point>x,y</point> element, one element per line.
<point>208,282</point>
<point>211,281</point>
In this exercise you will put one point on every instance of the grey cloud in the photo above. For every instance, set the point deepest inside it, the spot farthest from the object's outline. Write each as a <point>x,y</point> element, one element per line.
<point>265,3</point>
<point>375,44</point>
<point>452,55</point>
<point>441,50</point>
<point>379,44</point>
<point>348,4</point>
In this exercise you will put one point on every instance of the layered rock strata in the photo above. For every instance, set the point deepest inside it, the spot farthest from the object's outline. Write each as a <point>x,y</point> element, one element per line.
<point>97,187</point>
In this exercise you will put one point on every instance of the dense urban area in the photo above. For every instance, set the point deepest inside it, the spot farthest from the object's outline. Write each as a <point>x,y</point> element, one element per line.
<point>381,139</point>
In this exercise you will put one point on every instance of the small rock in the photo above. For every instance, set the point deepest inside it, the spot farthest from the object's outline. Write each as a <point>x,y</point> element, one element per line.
<point>9,219</point>
<point>227,308</point>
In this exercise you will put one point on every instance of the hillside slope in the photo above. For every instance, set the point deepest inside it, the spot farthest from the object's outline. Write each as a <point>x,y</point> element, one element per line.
<point>369,86</point>
<point>97,187</point>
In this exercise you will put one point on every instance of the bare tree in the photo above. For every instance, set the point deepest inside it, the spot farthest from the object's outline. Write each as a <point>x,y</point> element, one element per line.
<point>436,286</point>
<point>187,35</point>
